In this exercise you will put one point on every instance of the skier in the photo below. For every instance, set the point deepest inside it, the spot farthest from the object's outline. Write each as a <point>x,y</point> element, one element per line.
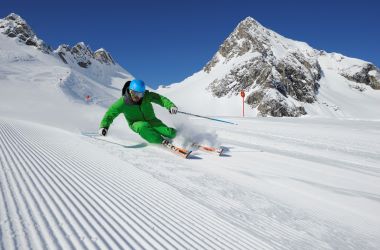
<point>136,105</point>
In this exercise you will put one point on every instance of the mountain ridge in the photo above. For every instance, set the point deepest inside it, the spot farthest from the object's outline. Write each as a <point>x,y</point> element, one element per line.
<point>281,76</point>
<point>14,25</point>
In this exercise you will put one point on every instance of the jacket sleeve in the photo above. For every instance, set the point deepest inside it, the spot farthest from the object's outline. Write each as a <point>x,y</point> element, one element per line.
<point>161,100</point>
<point>112,113</point>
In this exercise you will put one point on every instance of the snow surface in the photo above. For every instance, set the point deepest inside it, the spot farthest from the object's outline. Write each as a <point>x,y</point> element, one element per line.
<point>284,183</point>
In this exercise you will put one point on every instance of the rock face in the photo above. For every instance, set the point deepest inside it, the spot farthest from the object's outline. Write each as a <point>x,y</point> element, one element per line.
<point>14,26</point>
<point>368,74</point>
<point>82,55</point>
<point>103,56</point>
<point>279,73</point>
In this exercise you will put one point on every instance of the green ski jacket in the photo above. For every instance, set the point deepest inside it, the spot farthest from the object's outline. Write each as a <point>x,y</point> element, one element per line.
<point>136,112</point>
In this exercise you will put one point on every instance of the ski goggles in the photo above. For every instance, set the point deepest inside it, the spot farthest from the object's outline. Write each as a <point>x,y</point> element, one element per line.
<point>136,94</point>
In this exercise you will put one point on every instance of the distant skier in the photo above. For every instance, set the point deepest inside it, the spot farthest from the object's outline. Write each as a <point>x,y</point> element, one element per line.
<point>136,105</point>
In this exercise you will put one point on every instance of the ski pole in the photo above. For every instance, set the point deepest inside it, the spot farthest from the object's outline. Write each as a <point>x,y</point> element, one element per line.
<point>213,119</point>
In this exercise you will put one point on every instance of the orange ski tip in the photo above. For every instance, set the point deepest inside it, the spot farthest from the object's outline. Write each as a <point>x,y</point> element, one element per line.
<point>207,148</point>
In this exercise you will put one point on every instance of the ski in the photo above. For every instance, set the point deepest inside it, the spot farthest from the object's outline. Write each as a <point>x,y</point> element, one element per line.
<point>208,149</point>
<point>98,137</point>
<point>177,150</point>
<point>168,145</point>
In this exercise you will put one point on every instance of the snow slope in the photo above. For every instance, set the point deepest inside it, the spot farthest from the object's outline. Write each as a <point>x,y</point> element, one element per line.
<point>193,88</point>
<point>61,191</point>
<point>276,188</point>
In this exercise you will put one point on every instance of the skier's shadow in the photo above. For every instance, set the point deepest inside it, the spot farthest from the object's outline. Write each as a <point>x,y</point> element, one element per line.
<point>139,145</point>
<point>226,151</point>
<point>194,157</point>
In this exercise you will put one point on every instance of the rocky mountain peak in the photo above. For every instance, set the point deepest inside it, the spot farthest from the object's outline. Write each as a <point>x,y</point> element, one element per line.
<point>278,73</point>
<point>82,50</point>
<point>260,60</point>
<point>103,56</point>
<point>14,17</point>
<point>14,26</point>
<point>82,55</point>
<point>245,38</point>
<point>248,23</point>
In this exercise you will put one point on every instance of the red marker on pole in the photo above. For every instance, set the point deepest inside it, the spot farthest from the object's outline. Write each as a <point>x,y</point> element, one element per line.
<point>242,94</point>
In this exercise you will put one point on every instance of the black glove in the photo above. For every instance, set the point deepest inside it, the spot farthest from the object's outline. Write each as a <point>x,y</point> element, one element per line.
<point>173,110</point>
<point>103,131</point>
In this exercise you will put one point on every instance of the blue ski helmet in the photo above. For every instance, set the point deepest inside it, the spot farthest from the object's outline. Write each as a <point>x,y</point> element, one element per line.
<point>137,85</point>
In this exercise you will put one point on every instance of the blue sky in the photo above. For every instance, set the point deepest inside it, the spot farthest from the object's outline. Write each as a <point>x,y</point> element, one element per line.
<point>163,42</point>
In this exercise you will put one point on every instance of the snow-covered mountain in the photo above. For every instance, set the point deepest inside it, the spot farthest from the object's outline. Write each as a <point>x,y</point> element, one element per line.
<point>77,71</point>
<point>281,77</point>
<point>14,26</point>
